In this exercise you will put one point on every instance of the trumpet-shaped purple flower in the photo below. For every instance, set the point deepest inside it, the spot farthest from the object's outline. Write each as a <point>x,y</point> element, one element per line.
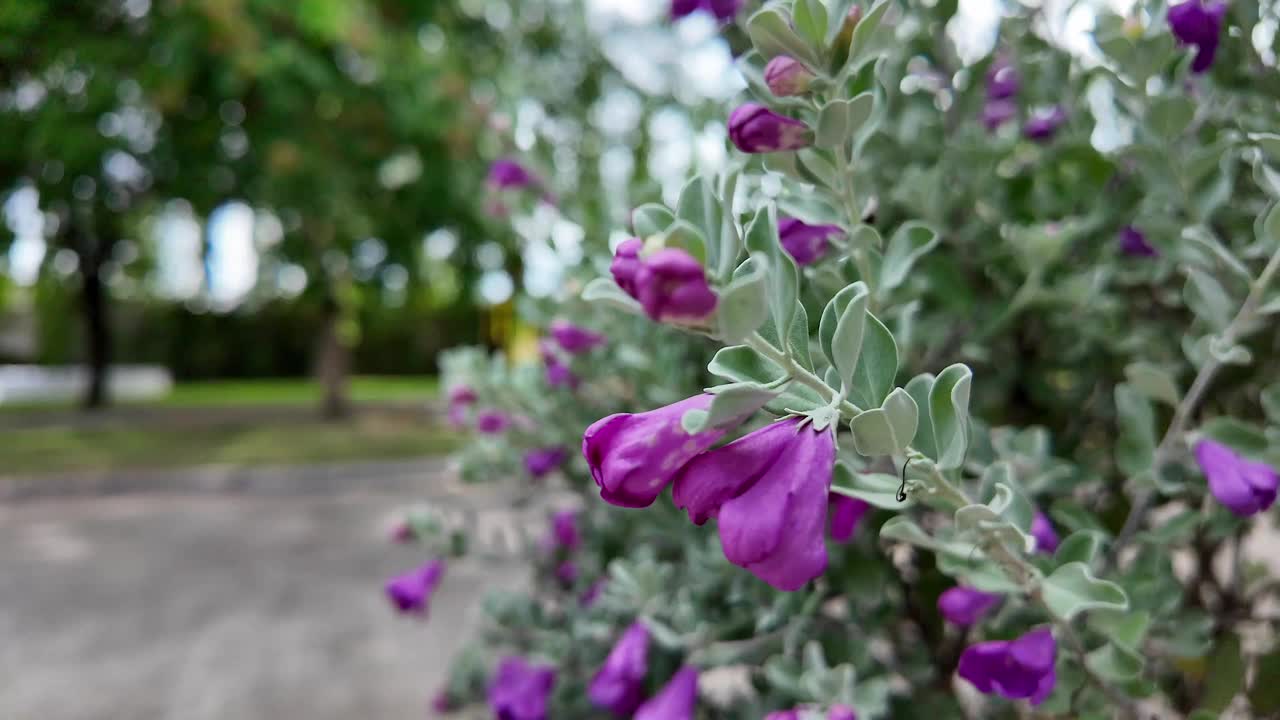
<point>675,701</point>
<point>1003,79</point>
<point>461,395</point>
<point>723,10</point>
<point>841,712</point>
<point>592,593</point>
<point>506,174</point>
<point>634,457</point>
<point>768,491</point>
<point>1199,24</point>
<point>492,422</point>
<point>806,243</point>
<point>1046,537</point>
<point>672,285</point>
<point>567,573</point>
<point>1043,125</point>
<point>626,264</point>
<point>1243,486</point>
<point>964,606</point>
<point>844,514</point>
<point>519,691</point>
<point>998,112</point>
<point>564,530</point>
<point>575,339</point>
<point>540,461</point>
<point>411,592</point>
<point>754,128</point>
<point>1134,243</point>
<point>618,686</point>
<point>1015,669</point>
<point>787,76</point>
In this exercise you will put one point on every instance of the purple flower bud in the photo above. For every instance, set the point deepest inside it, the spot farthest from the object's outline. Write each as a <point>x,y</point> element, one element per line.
<point>575,339</point>
<point>626,264</point>
<point>634,457</point>
<point>540,461</point>
<point>567,573</point>
<point>618,686</point>
<point>1003,80</point>
<point>443,703</point>
<point>519,691</point>
<point>1243,486</point>
<point>841,712</point>
<point>768,491</point>
<point>1046,538</point>
<point>672,285</point>
<point>998,112</point>
<point>461,395</point>
<point>505,174</point>
<point>964,606</point>
<point>845,513</point>
<point>1134,244</point>
<point>806,243</point>
<point>675,701</point>
<point>1195,23</point>
<point>723,10</point>
<point>1043,125</point>
<point>492,422</point>
<point>754,128</point>
<point>1015,669</point>
<point>592,593</point>
<point>411,592</point>
<point>402,532</point>
<point>787,76</point>
<point>564,530</point>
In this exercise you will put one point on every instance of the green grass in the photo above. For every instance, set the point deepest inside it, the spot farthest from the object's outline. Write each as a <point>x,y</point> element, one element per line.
<point>66,449</point>
<point>271,392</point>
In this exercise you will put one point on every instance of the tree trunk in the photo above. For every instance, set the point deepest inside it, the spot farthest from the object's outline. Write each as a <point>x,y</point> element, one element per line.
<point>333,366</point>
<point>94,302</point>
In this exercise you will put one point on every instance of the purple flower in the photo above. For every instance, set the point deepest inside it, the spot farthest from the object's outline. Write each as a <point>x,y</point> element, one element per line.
<point>998,112</point>
<point>506,173</point>
<point>671,284</point>
<point>567,573</point>
<point>768,491</point>
<point>787,76</point>
<point>1015,669</point>
<point>443,703</point>
<point>458,416</point>
<point>1134,244</point>
<point>575,339</point>
<point>540,461</point>
<point>618,686</point>
<point>1243,486</point>
<point>841,712</point>
<point>675,701</point>
<point>723,10</point>
<point>634,457</point>
<point>792,714</point>
<point>560,376</point>
<point>492,422</point>
<point>1042,530</point>
<point>1195,23</point>
<point>403,533</point>
<point>845,513</point>
<point>1043,125</point>
<point>564,530</point>
<point>754,128</point>
<point>519,691</point>
<point>964,606</point>
<point>411,592</point>
<point>592,593</point>
<point>1003,80</point>
<point>806,243</point>
<point>461,395</point>
<point>626,264</point>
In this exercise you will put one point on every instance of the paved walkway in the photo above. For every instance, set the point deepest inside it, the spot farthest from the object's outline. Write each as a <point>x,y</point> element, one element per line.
<point>225,607</point>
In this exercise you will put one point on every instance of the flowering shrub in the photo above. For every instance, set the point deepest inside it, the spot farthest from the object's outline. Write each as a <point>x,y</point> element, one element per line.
<point>951,393</point>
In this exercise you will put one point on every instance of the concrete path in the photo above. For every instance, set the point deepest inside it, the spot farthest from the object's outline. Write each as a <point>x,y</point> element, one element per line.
<point>224,607</point>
